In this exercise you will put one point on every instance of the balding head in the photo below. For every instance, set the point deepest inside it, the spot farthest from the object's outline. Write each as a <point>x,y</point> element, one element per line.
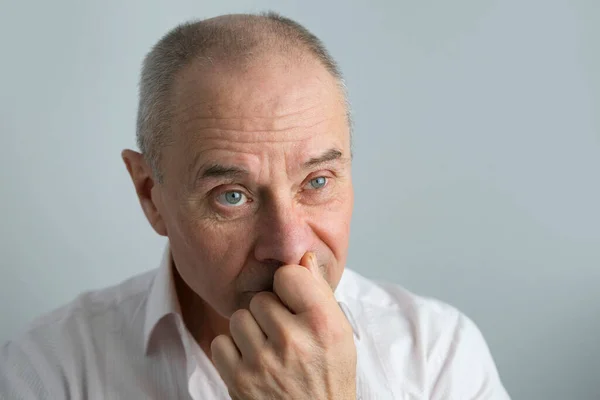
<point>231,42</point>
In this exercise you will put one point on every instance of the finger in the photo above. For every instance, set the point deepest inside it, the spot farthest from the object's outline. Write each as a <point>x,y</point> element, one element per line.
<point>273,317</point>
<point>225,356</point>
<point>309,260</point>
<point>299,290</point>
<point>247,334</point>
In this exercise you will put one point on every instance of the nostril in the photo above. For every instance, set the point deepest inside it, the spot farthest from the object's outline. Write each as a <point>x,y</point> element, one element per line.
<point>273,264</point>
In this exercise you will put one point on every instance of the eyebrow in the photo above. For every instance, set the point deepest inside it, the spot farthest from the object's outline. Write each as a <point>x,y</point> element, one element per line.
<point>222,171</point>
<point>232,172</point>
<point>327,157</point>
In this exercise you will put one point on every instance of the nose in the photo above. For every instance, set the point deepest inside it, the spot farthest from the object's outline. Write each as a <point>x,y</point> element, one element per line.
<point>284,234</point>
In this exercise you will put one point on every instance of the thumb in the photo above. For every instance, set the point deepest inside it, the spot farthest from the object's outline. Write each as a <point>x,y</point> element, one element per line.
<point>309,260</point>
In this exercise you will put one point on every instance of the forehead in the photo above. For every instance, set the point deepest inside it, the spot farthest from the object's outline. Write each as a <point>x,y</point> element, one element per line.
<point>272,94</point>
<point>270,104</point>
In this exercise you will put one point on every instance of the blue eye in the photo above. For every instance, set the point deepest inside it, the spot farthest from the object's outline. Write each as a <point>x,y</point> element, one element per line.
<point>318,183</point>
<point>232,198</point>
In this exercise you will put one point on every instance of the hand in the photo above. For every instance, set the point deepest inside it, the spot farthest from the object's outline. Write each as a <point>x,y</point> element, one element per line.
<point>295,343</point>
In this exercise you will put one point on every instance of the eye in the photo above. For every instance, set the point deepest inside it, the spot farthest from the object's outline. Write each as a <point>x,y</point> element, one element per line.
<point>232,198</point>
<point>317,183</point>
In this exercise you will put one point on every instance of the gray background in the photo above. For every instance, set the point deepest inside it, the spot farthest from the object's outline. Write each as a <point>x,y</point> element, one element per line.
<point>477,156</point>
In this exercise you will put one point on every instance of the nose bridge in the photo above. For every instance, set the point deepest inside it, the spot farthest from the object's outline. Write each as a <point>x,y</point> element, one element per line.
<point>284,235</point>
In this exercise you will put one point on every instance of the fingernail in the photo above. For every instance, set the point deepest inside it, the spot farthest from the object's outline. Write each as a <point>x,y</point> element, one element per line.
<point>315,263</point>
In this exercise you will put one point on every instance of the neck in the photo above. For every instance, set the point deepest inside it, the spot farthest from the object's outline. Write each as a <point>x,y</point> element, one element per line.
<point>201,320</point>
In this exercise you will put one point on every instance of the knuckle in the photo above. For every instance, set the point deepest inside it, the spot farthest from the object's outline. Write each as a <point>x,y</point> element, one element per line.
<point>241,380</point>
<point>265,359</point>
<point>320,321</point>
<point>295,346</point>
<point>218,345</point>
<point>238,318</point>
<point>286,338</point>
<point>328,328</point>
<point>261,300</point>
<point>302,350</point>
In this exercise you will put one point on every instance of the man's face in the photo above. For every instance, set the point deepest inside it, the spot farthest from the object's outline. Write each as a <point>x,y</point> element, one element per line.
<point>258,174</point>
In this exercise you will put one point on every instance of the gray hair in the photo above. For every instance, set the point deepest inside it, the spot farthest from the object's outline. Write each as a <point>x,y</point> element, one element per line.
<point>227,37</point>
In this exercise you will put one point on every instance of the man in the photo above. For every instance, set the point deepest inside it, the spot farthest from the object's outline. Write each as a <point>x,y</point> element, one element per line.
<point>244,134</point>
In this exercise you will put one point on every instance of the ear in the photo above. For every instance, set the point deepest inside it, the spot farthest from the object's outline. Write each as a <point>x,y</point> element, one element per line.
<point>145,187</point>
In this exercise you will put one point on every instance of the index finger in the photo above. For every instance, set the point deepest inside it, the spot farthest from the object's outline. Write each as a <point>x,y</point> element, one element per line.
<point>301,288</point>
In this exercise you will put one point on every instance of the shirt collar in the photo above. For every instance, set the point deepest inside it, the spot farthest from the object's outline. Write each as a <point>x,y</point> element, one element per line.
<point>162,298</point>
<point>341,292</point>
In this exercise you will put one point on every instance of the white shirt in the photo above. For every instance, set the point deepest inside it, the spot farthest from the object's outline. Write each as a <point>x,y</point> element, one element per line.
<point>129,342</point>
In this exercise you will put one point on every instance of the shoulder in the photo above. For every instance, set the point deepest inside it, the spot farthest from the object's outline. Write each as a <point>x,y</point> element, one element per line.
<point>53,349</point>
<point>412,332</point>
<point>429,321</point>
<point>99,309</point>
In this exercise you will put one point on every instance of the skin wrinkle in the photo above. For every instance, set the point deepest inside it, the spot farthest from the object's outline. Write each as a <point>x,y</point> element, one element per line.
<point>213,105</point>
<point>201,153</point>
<point>229,46</point>
<point>190,108</point>
<point>224,172</point>
<point>278,122</point>
<point>290,130</point>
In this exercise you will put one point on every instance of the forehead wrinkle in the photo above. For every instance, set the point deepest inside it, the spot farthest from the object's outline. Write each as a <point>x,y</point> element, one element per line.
<point>234,136</point>
<point>249,125</point>
<point>225,99</point>
<point>198,117</point>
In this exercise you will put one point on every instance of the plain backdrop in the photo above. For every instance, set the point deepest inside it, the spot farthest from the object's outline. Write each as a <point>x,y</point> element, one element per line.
<point>477,156</point>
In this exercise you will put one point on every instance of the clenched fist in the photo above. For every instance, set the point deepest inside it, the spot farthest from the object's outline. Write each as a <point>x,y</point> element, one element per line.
<point>294,343</point>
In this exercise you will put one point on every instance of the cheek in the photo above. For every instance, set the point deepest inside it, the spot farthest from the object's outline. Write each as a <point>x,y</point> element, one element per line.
<point>213,254</point>
<point>332,226</point>
<point>336,220</point>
